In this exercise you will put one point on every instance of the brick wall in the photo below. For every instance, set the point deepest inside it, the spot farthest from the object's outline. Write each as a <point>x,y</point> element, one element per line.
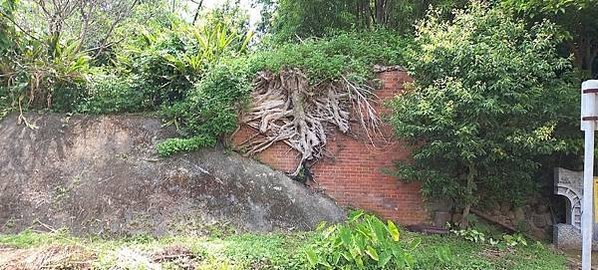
<point>355,176</point>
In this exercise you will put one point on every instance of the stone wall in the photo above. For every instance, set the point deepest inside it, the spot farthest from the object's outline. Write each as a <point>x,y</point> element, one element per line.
<point>533,218</point>
<point>355,174</point>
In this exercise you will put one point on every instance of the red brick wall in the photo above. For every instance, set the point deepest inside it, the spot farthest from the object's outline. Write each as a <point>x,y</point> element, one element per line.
<point>355,175</point>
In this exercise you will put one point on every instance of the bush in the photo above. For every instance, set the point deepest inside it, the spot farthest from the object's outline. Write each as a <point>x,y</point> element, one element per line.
<point>168,63</point>
<point>211,109</point>
<point>331,57</point>
<point>491,100</point>
<point>180,145</point>
<point>41,79</point>
<point>364,242</point>
<point>109,93</point>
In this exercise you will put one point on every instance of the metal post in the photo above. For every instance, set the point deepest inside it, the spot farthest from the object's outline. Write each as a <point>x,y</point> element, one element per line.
<point>588,186</point>
<point>589,116</point>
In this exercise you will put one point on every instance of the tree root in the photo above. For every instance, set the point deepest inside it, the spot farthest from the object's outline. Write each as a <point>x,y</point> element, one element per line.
<point>286,108</point>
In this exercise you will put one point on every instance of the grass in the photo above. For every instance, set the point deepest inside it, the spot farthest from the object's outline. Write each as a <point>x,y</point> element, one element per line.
<point>453,252</point>
<point>269,251</point>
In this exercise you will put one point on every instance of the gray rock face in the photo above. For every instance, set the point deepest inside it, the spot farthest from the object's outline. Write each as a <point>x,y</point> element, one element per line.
<point>101,175</point>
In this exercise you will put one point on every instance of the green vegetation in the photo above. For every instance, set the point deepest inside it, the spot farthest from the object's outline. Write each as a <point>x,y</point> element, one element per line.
<point>329,58</point>
<point>493,105</point>
<point>492,100</point>
<point>365,242</point>
<point>364,238</point>
<point>210,110</point>
<point>295,19</point>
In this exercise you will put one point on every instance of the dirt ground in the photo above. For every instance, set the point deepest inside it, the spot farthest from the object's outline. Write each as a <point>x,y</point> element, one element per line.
<point>53,257</point>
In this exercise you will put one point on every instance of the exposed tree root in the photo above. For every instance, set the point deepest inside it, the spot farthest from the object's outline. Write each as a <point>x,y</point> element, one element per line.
<point>286,108</point>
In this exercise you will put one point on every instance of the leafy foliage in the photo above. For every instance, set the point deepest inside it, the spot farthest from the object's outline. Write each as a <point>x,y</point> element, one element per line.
<point>364,242</point>
<point>292,19</point>
<point>181,145</point>
<point>353,53</point>
<point>210,110</point>
<point>575,18</point>
<point>172,60</point>
<point>491,99</point>
<point>7,8</point>
<point>110,93</point>
<point>40,78</point>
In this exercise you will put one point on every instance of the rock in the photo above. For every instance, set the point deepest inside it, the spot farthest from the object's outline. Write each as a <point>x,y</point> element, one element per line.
<point>565,236</point>
<point>441,218</point>
<point>539,221</point>
<point>519,214</point>
<point>541,209</point>
<point>140,193</point>
<point>505,207</point>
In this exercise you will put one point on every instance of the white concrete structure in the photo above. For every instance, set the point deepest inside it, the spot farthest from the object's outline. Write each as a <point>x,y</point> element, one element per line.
<point>589,116</point>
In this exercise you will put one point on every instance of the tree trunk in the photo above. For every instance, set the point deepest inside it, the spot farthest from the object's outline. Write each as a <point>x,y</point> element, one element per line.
<point>584,52</point>
<point>470,187</point>
<point>380,11</point>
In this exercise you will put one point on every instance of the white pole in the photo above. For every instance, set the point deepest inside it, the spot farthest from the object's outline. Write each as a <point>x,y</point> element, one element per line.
<point>589,116</point>
<point>588,193</point>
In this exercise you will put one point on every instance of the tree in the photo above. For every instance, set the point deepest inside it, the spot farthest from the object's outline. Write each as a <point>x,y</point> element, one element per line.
<point>491,99</point>
<point>305,18</point>
<point>90,23</point>
<point>6,26</point>
<point>577,18</point>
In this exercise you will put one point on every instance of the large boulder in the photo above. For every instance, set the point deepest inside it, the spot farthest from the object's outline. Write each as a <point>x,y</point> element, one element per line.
<point>102,175</point>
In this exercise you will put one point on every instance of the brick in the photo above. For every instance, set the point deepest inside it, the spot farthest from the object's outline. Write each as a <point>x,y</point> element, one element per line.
<point>355,177</point>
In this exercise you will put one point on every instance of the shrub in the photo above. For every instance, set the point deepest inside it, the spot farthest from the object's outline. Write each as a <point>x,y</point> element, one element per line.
<point>179,145</point>
<point>364,242</point>
<point>211,109</point>
<point>168,63</point>
<point>334,56</point>
<point>110,93</point>
<point>37,78</point>
<point>491,99</point>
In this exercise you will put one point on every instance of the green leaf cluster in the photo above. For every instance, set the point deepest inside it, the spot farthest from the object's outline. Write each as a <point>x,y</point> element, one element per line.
<point>339,54</point>
<point>109,93</point>
<point>364,242</point>
<point>168,61</point>
<point>39,76</point>
<point>492,100</point>
<point>210,110</point>
<point>173,146</point>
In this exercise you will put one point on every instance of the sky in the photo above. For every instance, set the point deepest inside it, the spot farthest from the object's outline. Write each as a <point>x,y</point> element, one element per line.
<point>254,12</point>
